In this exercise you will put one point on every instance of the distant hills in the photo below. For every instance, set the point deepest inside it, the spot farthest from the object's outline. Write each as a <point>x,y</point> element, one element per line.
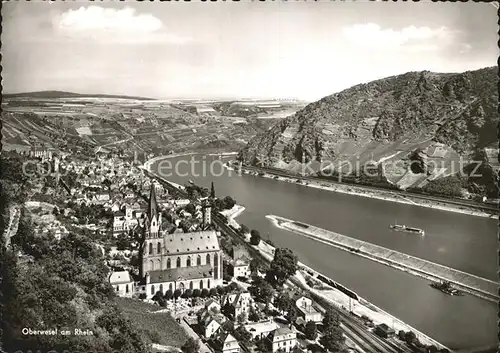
<point>434,117</point>
<point>63,94</point>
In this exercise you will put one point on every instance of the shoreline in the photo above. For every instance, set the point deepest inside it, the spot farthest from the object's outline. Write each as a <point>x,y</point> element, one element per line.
<point>384,255</point>
<point>356,190</point>
<point>336,297</point>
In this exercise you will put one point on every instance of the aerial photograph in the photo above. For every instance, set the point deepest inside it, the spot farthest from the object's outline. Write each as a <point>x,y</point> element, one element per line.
<point>249,177</point>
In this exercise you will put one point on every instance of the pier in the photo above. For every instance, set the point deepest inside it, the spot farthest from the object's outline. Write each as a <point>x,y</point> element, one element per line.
<point>475,285</point>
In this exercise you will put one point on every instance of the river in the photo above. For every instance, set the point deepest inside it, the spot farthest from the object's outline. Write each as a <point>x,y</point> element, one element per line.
<point>467,243</point>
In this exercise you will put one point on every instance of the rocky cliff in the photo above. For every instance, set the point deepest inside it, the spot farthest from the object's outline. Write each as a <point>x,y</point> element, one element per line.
<point>432,118</point>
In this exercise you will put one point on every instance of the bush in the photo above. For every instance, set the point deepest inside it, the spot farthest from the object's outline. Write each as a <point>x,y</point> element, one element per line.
<point>177,293</point>
<point>196,293</point>
<point>220,290</point>
<point>188,293</point>
<point>213,292</point>
<point>142,296</point>
<point>169,294</point>
<point>204,293</point>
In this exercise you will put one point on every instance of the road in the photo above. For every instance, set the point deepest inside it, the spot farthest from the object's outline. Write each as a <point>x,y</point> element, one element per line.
<point>464,203</point>
<point>11,230</point>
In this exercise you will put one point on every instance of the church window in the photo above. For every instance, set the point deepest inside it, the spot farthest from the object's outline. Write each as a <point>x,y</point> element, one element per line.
<point>181,287</point>
<point>151,265</point>
<point>201,284</point>
<point>170,287</point>
<point>179,262</point>
<point>198,261</point>
<point>168,263</point>
<point>158,264</point>
<point>161,288</point>
<point>191,285</point>
<point>126,288</point>
<point>158,248</point>
<point>153,289</point>
<point>208,283</point>
<point>188,262</point>
<point>150,248</point>
<point>208,259</point>
<point>216,266</point>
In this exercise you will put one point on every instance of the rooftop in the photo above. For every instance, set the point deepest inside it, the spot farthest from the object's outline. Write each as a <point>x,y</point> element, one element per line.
<point>178,243</point>
<point>180,274</point>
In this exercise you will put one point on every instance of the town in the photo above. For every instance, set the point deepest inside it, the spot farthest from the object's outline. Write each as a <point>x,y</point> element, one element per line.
<point>177,251</point>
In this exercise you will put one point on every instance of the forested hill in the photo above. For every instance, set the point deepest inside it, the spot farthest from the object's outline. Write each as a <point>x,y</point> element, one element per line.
<point>434,117</point>
<point>63,94</point>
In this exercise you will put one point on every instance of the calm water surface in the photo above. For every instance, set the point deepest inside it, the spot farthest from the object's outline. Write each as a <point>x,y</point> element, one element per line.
<point>463,242</point>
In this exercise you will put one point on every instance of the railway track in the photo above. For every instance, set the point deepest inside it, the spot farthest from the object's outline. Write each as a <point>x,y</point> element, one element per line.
<point>465,203</point>
<point>352,327</point>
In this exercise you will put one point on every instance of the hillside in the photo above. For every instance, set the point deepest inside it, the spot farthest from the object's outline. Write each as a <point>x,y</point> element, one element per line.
<point>419,124</point>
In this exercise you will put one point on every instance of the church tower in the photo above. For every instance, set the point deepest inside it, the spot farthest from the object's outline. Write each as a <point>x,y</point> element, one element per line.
<point>207,215</point>
<point>153,214</point>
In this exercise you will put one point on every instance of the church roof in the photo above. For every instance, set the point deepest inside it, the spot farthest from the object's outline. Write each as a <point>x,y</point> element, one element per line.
<point>180,274</point>
<point>178,243</point>
<point>153,204</point>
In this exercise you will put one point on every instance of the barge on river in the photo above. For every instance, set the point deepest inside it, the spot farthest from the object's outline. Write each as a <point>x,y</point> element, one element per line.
<point>403,228</point>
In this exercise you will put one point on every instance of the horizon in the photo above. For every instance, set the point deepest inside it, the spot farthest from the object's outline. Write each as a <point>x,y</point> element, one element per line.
<point>226,51</point>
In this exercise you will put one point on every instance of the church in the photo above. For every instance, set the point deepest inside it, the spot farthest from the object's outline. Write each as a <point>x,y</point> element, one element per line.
<point>180,260</point>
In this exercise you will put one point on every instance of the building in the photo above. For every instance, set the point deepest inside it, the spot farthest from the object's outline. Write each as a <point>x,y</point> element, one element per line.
<point>261,329</point>
<point>241,268</point>
<point>178,260</point>
<point>283,339</point>
<point>226,343</point>
<point>210,322</point>
<point>384,331</point>
<point>307,311</point>
<point>122,283</point>
<point>207,215</point>
<point>236,304</point>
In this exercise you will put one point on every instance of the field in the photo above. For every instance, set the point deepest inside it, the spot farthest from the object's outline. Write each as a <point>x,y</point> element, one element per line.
<point>159,328</point>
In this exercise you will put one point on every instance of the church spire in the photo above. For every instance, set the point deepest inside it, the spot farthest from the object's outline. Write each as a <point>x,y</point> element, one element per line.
<point>153,204</point>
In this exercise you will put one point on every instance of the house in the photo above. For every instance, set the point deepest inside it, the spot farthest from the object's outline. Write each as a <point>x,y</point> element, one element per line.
<point>283,339</point>
<point>241,268</point>
<point>261,329</point>
<point>212,305</point>
<point>210,323</point>
<point>307,311</point>
<point>226,343</point>
<point>384,331</point>
<point>122,282</point>
<point>237,304</point>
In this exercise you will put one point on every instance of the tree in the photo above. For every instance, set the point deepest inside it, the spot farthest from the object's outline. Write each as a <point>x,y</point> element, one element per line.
<point>333,338</point>
<point>243,335</point>
<point>191,346</point>
<point>283,302</point>
<point>261,290</point>
<point>242,318</point>
<point>213,292</point>
<point>255,265</point>
<point>190,208</point>
<point>410,337</point>
<point>212,191</point>
<point>283,266</point>
<point>204,293</point>
<point>244,229</point>
<point>55,211</point>
<point>253,315</point>
<point>169,294</point>
<point>188,293</point>
<point>196,293</point>
<point>254,237</point>
<point>177,293</point>
<point>228,202</point>
<point>292,313</point>
<point>311,330</point>
<point>220,290</point>
<point>142,296</point>
<point>158,297</point>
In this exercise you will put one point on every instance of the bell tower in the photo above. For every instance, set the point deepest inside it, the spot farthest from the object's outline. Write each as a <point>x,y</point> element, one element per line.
<point>153,214</point>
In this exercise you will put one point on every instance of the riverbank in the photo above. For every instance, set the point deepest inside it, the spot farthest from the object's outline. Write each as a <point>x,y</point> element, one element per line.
<point>355,190</point>
<point>360,308</point>
<point>480,287</point>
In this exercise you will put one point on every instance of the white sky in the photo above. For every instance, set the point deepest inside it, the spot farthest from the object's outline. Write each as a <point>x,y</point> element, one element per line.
<point>304,50</point>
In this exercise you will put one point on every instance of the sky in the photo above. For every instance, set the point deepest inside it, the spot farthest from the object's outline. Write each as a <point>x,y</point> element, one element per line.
<point>282,50</point>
